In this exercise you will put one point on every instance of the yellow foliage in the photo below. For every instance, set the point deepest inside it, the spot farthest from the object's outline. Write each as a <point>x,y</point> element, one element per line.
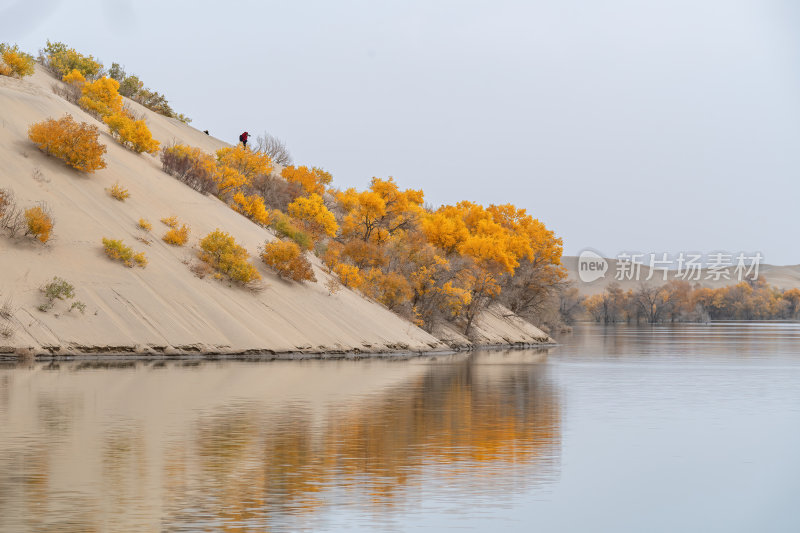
<point>229,180</point>
<point>70,141</point>
<point>140,259</point>
<point>455,298</point>
<point>145,225</point>
<point>224,255</point>
<point>64,60</point>
<point>252,207</point>
<point>248,164</point>
<point>133,134</point>
<point>364,254</point>
<point>74,78</point>
<point>286,258</point>
<point>331,255</point>
<point>311,211</point>
<point>5,70</point>
<point>117,250</point>
<point>445,229</point>
<point>170,221</point>
<point>177,237</point>
<point>20,63</point>
<point>101,97</point>
<point>391,289</point>
<point>118,192</point>
<point>380,211</point>
<point>313,180</point>
<point>40,223</point>
<point>349,275</point>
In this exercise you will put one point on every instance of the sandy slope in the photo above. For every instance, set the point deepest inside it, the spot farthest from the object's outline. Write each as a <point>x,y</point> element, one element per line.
<point>162,308</point>
<point>782,277</point>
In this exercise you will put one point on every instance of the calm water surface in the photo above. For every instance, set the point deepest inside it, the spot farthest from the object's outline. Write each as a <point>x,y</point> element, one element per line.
<point>685,428</point>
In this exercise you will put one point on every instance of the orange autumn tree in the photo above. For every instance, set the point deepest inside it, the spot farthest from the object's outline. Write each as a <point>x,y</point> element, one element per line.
<point>314,216</point>
<point>313,180</point>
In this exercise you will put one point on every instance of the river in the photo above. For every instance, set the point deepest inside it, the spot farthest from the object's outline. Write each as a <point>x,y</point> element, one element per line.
<point>666,428</point>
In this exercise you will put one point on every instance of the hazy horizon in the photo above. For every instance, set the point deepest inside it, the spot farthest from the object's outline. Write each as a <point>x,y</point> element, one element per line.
<point>659,127</point>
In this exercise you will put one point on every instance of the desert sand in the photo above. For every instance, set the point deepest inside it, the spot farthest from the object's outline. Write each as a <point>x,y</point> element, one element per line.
<point>164,309</point>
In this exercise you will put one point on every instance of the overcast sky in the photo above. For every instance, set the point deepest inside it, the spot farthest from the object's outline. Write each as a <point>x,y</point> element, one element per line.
<point>657,126</point>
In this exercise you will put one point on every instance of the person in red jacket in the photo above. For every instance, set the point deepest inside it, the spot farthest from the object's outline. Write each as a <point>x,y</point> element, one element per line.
<point>243,138</point>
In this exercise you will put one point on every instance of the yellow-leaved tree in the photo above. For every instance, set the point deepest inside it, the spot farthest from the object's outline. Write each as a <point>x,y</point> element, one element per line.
<point>313,180</point>
<point>314,216</point>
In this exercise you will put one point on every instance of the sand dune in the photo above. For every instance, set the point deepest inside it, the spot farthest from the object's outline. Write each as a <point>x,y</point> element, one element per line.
<point>163,308</point>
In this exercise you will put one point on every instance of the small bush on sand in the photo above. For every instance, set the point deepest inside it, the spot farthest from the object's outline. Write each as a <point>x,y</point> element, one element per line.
<point>74,143</point>
<point>19,63</point>
<point>12,219</point>
<point>177,237</point>
<point>70,90</point>
<point>58,289</point>
<point>39,222</point>
<point>7,309</point>
<point>171,221</point>
<point>132,134</point>
<point>144,225</point>
<point>62,60</point>
<point>226,257</point>
<point>190,165</point>
<point>286,258</point>
<point>118,251</point>
<point>118,192</point>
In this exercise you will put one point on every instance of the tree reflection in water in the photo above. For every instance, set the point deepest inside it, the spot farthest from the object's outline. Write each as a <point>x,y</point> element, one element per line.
<point>482,429</point>
<point>220,446</point>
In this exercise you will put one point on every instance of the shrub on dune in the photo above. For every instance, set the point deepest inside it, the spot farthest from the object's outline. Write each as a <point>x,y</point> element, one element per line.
<point>226,257</point>
<point>16,62</point>
<point>119,251</point>
<point>176,236</point>
<point>288,260</point>
<point>74,143</point>
<point>132,134</point>
<point>39,223</point>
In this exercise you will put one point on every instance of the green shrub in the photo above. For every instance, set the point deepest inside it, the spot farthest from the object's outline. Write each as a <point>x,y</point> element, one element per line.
<point>62,60</point>
<point>284,227</point>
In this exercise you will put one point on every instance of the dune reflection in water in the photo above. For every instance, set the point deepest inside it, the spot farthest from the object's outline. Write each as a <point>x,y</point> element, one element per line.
<point>253,446</point>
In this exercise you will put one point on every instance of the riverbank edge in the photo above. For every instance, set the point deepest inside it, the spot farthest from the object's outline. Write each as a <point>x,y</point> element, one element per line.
<point>131,354</point>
